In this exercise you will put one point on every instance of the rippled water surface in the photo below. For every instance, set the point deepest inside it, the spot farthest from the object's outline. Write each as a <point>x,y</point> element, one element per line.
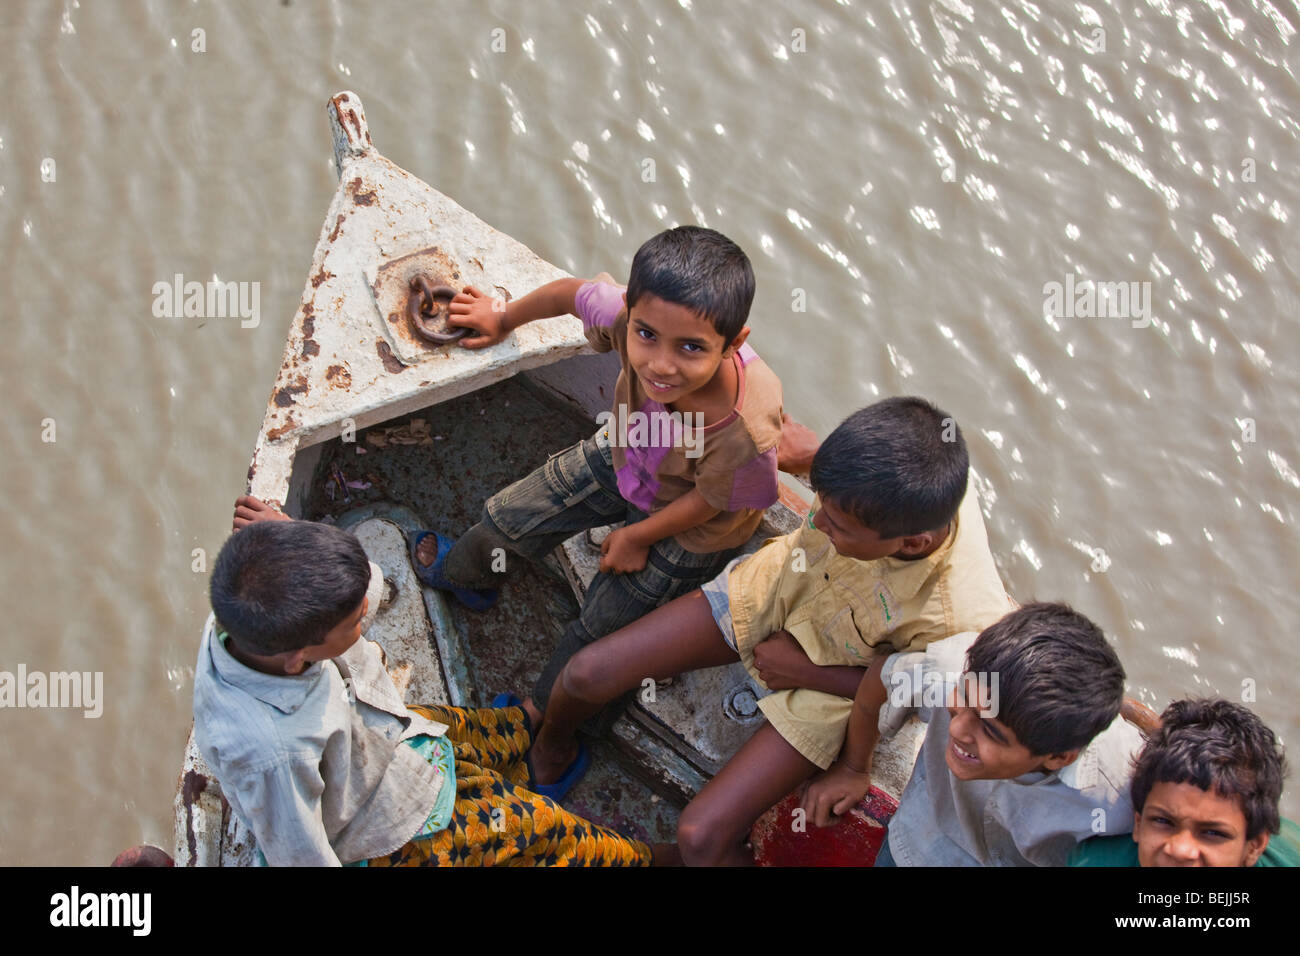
<point>914,174</point>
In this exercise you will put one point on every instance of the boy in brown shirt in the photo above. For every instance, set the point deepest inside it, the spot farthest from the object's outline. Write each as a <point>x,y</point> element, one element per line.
<point>687,457</point>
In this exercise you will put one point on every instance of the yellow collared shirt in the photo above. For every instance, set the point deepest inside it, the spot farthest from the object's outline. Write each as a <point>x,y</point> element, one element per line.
<point>843,611</point>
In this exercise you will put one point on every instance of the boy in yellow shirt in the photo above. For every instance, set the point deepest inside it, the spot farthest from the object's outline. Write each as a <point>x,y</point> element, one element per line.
<point>894,557</point>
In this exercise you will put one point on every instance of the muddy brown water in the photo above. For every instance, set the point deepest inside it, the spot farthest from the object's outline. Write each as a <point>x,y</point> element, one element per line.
<point>910,180</point>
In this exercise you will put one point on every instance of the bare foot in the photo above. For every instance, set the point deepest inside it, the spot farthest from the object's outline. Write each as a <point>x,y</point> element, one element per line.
<point>550,761</point>
<point>249,509</point>
<point>426,552</point>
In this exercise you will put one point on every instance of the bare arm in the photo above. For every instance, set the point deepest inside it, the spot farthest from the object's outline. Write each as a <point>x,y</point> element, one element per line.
<point>837,791</point>
<point>494,319</point>
<point>1140,716</point>
<point>798,446</point>
<point>860,743</point>
<point>782,665</point>
<point>628,548</point>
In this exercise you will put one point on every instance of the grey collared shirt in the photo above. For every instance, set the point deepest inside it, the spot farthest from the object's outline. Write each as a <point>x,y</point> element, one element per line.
<point>314,764</point>
<point>1033,820</point>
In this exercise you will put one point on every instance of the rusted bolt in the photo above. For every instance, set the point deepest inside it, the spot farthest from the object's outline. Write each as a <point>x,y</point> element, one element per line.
<point>741,705</point>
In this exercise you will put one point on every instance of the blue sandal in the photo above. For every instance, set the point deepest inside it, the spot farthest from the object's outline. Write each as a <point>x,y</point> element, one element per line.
<point>576,771</point>
<point>560,789</point>
<point>432,575</point>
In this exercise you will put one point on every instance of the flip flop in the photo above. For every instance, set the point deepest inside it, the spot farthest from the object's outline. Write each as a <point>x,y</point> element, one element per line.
<point>432,575</point>
<point>560,789</point>
<point>573,773</point>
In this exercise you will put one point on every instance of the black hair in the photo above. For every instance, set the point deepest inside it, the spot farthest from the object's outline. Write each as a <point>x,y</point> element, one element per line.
<point>1059,682</point>
<point>1215,745</point>
<point>699,268</point>
<point>279,586</point>
<point>898,466</point>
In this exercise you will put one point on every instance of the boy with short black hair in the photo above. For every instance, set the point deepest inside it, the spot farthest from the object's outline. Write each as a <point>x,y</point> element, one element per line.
<point>688,456</point>
<point>1205,792</point>
<point>317,754</point>
<point>806,614</point>
<point>1029,757</point>
<point>915,482</point>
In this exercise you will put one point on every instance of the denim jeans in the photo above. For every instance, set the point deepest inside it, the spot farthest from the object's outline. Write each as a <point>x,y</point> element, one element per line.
<point>575,490</point>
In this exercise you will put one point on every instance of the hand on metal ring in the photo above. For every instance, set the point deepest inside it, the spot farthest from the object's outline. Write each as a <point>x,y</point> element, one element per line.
<point>426,303</point>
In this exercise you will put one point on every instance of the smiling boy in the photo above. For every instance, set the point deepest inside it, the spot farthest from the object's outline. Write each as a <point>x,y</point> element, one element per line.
<point>1022,788</point>
<point>691,486</point>
<point>1205,792</point>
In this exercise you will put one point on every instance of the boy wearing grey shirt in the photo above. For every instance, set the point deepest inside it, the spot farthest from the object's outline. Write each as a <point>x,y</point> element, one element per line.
<point>1025,754</point>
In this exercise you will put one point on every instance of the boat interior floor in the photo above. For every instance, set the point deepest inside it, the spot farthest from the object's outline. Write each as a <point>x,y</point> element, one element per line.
<point>442,462</point>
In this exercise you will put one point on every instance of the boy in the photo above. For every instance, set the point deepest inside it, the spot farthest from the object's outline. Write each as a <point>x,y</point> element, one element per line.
<point>314,749</point>
<point>1029,757</point>
<point>1205,792</point>
<point>895,557</point>
<point>688,456</point>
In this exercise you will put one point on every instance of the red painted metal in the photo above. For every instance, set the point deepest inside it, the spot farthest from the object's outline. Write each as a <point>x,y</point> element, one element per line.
<point>781,837</point>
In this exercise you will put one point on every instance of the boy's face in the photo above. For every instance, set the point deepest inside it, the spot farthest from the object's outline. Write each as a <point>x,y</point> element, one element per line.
<point>850,537</point>
<point>984,748</point>
<point>346,633</point>
<point>1183,825</point>
<point>674,351</point>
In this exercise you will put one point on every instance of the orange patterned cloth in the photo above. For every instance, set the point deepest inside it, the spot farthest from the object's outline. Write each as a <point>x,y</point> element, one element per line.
<point>498,821</point>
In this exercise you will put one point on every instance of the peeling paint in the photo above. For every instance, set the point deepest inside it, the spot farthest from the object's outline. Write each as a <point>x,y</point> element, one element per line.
<point>350,122</point>
<point>192,785</point>
<point>288,394</point>
<point>366,198</point>
<point>391,362</point>
<point>275,434</point>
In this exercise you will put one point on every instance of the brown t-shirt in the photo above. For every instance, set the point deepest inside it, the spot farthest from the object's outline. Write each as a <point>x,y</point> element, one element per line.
<point>660,455</point>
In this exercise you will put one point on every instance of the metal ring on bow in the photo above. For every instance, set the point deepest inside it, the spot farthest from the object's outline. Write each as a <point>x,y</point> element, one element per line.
<point>428,303</point>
